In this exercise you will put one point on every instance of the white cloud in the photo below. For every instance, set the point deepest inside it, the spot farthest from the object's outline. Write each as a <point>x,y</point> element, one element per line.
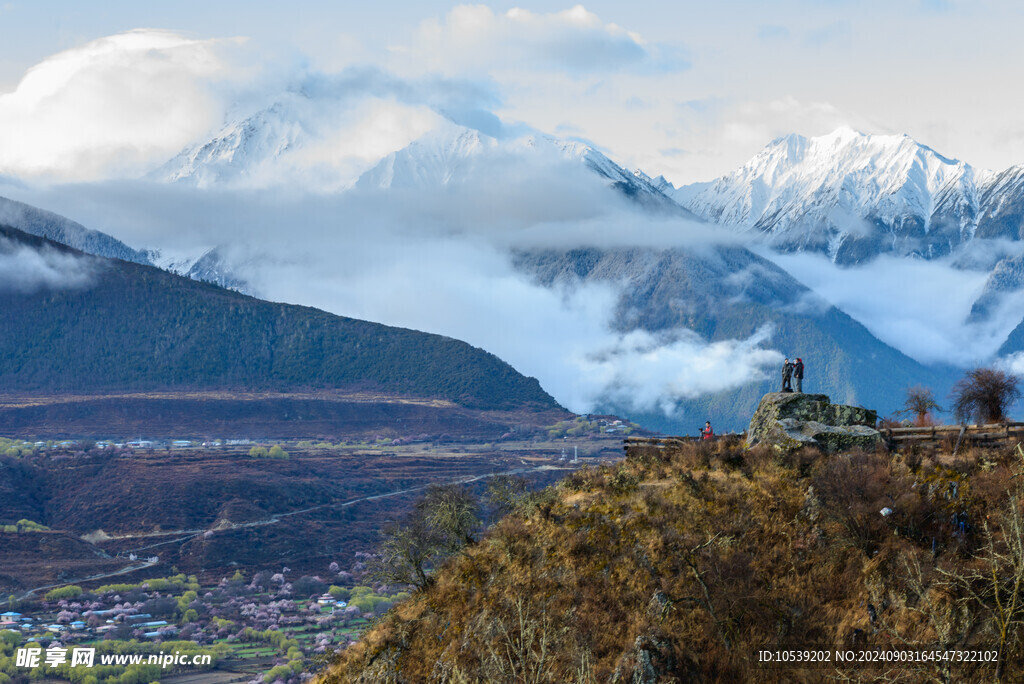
<point>473,38</point>
<point>647,372</point>
<point>25,269</point>
<point>113,106</point>
<point>919,307</point>
<point>1014,364</point>
<point>438,260</point>
<point>562,336</point>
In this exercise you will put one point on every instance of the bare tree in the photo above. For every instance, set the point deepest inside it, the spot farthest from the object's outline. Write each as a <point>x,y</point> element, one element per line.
<point>985,394</point>
<point>920,401</point>
<point>406,554</point>
<point>524,640</point>
<point>440,524</point>
<point>452,513</point>
<point>505,493</point>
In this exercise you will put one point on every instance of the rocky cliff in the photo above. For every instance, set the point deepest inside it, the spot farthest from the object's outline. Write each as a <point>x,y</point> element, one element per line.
<point>789,421</point>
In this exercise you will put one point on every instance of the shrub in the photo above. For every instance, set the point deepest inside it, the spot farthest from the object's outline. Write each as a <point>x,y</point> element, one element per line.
<point>984,394</point>
<point>67,592</point>
<point>920,402</point>
<point>339,593</point>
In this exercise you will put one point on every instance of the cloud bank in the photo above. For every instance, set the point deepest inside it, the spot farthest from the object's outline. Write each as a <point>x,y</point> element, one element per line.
<point>438,259</point>
<point>646,372</point>
<point>25,269</point>
<point>112,106</point>
<point>919,307</point>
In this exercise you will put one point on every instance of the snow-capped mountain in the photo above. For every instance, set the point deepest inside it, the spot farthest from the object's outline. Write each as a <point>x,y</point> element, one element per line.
<point>852,196</point>
<point>240,152</point>
<point>637,185</point>
<point>443,155</point>
<point>326,144</point>
<point>318,142</point>
<point>452,153</point>
<point>210,266</point>
<point>1002,205</point>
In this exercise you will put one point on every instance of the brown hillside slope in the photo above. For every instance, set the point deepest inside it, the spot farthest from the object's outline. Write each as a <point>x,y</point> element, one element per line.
<point>681,566</point>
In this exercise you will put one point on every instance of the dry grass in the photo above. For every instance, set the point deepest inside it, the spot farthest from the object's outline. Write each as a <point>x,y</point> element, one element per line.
<point>679,566</point>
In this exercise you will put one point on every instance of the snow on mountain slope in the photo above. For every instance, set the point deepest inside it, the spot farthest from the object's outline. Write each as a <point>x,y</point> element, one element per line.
<point>321,144</point>
<point>849,195</point>
<point>452,153</point>
<point>444,154</point>
<point>1002,205</point>
<point>637,185</point>
<point>55,227</point>
<point>329,142</point>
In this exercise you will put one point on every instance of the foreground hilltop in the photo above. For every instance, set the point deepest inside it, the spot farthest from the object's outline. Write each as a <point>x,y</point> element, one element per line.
<point>683,564</point>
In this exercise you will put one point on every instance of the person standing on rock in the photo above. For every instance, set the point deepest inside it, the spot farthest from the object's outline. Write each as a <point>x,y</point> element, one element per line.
<point>787,374</point>
<point>706,432</point>
<point>798,374</point>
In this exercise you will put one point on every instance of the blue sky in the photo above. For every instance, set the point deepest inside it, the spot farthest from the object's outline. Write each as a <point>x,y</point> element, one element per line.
<point>687,89</point>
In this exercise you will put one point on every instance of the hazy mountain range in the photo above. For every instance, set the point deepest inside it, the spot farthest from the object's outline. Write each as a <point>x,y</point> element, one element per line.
<point>848,198</point>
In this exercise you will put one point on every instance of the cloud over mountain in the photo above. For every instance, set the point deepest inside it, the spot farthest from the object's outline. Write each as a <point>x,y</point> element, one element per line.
<point>112,106</point>
<point>24,269</point>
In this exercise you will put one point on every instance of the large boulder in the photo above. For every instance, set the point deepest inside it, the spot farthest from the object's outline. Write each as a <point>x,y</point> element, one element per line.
<point>789,420</point>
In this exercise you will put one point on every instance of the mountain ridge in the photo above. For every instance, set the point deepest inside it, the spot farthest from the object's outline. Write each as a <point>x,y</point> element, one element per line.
<point>852,196</point>
<point>138,327</point>
<point>60,229</point>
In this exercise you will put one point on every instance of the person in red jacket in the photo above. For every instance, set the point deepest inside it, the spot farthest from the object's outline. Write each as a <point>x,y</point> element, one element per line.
<point>706,432</point>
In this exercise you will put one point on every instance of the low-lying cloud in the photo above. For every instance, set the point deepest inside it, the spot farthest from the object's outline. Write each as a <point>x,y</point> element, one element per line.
<point>438,259</point>
<point>28,269</point>
<point>648,372</point>
<point>919,307</point>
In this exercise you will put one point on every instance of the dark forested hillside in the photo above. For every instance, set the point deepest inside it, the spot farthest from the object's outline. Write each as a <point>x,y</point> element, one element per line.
<point>78,323</point>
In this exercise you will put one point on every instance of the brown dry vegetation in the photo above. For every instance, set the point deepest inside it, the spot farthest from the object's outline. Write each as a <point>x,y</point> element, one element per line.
<point>678,566</point>
<point>133,497</point>
<point>221,414</point>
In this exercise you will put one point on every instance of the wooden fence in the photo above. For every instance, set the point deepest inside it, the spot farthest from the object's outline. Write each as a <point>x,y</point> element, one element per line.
<point>959,436</point>
<point>993,435</point>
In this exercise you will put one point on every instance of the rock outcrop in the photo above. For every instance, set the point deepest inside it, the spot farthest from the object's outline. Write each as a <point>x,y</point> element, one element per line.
<point>788,421</point>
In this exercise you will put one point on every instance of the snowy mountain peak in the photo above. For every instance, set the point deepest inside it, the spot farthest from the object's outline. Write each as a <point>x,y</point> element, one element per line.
<point>437,158</point>
<point>314,141</point>
<point>848,194</point>
<point>450,153</point>
<point>237,152</point>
